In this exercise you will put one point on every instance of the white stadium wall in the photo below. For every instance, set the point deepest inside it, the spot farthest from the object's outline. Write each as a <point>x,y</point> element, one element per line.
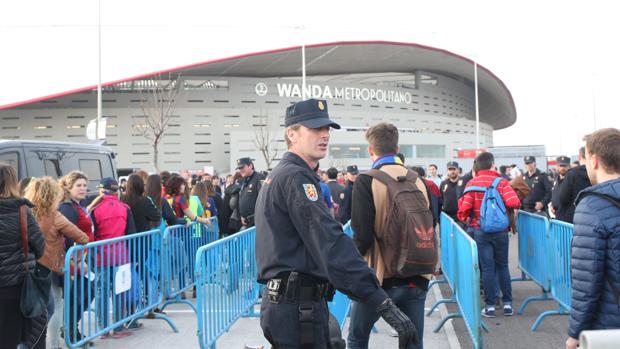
<point>213,125</point>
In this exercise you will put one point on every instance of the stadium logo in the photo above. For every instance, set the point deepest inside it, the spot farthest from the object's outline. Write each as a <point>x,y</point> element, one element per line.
<point>261,89</point>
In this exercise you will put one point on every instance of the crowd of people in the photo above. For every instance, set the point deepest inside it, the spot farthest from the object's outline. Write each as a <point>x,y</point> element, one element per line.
<point>61,213</point>
<point>299,212</point>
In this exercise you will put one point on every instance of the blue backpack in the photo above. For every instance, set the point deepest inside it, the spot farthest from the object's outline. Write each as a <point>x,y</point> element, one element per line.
<point>493,214</point>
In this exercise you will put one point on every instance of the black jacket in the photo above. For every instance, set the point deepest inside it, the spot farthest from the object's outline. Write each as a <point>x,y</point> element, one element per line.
<point>450,202</point>
<point>345,204</point>
<point>12,269</point>
<point>576,180</point>
<point>296,232</point>
<point>250,187</point>
<point>145,214</point>
<point>540,190</point>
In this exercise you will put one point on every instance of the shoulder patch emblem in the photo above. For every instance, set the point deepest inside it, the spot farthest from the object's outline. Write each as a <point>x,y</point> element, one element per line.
<point>311,192</point>
<point>460,182</point>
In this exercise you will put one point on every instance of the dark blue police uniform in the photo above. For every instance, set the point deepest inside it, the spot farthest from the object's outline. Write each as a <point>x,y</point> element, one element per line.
<point>540,189</point>
<point>300,245</point>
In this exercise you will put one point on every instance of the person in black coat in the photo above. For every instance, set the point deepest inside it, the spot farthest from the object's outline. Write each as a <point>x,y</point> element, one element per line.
<point>14,327</point>
<point>576,180</point>
<point>145,213</point>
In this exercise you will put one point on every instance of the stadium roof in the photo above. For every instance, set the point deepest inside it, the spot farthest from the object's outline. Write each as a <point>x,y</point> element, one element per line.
<point>340,59</point>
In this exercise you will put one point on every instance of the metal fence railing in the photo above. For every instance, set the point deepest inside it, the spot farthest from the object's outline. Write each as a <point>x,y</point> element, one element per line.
<point>340,306</point>
<point>459,255</point>
<point>226,287</point>
<point>109,284</point>
<point>448,260</point>
<point>181,243</point>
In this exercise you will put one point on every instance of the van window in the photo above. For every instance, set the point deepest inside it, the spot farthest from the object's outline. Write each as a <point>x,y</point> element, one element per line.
<point>11,158</point>
<point>92,168</point>
<point>52,168</point>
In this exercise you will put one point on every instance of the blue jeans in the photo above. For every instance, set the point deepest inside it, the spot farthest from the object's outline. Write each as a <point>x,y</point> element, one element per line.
<point>363,317</point>
<point>493,256</point>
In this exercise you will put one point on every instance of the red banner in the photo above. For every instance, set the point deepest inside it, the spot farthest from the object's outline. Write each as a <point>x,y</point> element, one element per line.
<point>469,153</point>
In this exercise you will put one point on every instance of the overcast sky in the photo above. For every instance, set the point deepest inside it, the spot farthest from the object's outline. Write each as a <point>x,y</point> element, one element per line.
<point>560,59</point>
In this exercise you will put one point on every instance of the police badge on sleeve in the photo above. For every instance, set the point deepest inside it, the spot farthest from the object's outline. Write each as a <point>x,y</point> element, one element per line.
<point>311,192</point>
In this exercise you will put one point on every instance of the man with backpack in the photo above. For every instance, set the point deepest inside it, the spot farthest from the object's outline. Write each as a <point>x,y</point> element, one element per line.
<point>484,208</point>
<point>595,248</point>
<point>392,209</point>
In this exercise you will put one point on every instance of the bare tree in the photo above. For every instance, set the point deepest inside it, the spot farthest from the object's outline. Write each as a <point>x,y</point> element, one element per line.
<point>265,139</point>
<point>158,99</point>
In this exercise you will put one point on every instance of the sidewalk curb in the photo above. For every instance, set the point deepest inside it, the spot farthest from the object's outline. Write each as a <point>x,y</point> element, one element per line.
<point>453,340</point>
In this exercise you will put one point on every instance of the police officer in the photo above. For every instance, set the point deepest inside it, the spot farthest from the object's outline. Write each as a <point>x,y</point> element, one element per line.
<point>347,194</point>
<point>563,163</point>
<point>540,188</point>
<point>300,248</point>
<point>250,186</point>
<point>574,182</point>
<point>448,190</point>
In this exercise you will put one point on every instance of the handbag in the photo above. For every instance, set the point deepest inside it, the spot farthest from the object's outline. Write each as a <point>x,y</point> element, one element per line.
<point>37,282</point>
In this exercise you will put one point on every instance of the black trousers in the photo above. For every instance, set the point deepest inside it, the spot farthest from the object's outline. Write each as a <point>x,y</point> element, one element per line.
<point>280,324</point>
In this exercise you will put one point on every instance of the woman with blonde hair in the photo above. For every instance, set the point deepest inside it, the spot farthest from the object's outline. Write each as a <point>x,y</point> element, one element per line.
<point>46,194</point>
<point>14,326</point>
<point>75,186</point>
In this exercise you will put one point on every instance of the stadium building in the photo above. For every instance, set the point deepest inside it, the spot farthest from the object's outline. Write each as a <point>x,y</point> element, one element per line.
<point>229,108</point>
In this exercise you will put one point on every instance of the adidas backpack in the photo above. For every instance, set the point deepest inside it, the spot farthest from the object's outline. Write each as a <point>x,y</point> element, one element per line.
<point>407,240</point>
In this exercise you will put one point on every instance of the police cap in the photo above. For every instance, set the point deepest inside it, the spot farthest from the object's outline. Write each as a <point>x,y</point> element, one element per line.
<point>352,169</point>
<point>529,159</point>
<point>563,161</point>
<point>453,164</point>
<point>311,113</point>
<point>243,161</point>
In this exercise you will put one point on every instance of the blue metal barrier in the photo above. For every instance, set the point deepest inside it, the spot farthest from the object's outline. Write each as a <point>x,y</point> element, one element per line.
<point>181,243</point>
<point>448,260</point>
<point>226,286</point>
<point>463,277</point>
<point>340,306</point>
<point>560,236</point>
<point>533,254</point>
<point>120,277</point>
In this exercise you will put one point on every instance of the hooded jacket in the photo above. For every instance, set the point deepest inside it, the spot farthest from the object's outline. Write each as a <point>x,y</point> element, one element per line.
<point>595,256</point>
<point>12,269</point>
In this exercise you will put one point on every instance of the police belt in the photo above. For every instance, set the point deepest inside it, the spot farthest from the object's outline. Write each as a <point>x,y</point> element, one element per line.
<point>294,287</point>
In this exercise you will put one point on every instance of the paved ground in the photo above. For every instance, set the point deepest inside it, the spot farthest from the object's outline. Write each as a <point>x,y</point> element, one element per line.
<point>505,332</point>
<point>246,332</point>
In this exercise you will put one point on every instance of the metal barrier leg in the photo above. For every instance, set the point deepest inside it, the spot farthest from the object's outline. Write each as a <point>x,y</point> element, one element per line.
<point>559,311</point>
<point>436,281</point>
<point>484,326</point>
<point>443,321</point>
<point>522,278</point>
<point>167,319</point>
<point>543,297</point>
<point>437,303</point>
<point>178,299</point>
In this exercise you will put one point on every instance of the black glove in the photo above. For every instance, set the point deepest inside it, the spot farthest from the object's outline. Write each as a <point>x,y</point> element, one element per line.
<point>400,322</point>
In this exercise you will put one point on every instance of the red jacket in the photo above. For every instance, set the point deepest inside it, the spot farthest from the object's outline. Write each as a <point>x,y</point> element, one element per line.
<point>112,219</point>
<point>473,199</point>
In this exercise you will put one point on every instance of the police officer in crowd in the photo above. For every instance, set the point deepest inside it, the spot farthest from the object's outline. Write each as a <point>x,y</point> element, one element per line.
<point>540,193</point>
<point>301,250</point>
<point>347,194</point>
<point>576,180</point>
<point>563,164</point>
<point>448,190</point>
<point>250,186</point>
